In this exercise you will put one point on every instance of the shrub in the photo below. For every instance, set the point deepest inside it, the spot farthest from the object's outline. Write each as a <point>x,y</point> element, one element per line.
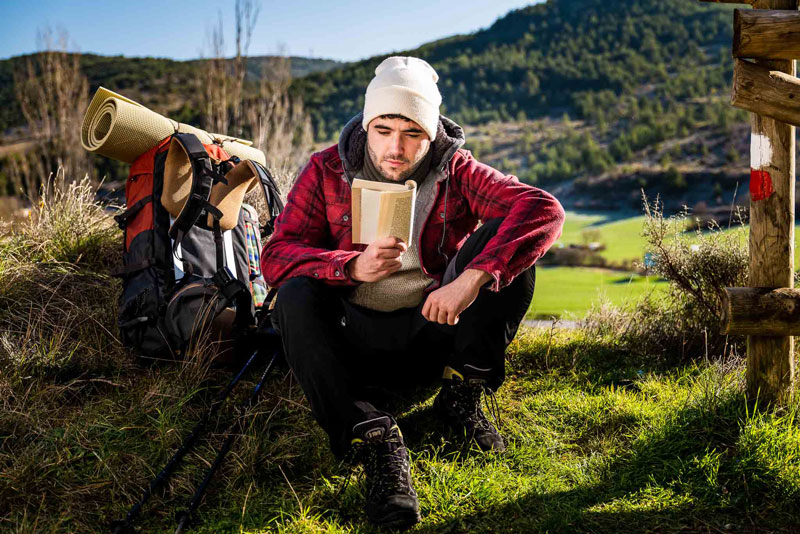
<point>573,256</point>
<point>698,267</point>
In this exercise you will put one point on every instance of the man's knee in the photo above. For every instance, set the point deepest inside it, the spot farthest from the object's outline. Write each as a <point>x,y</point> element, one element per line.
<point>298,297</point>
<point>476,242</point>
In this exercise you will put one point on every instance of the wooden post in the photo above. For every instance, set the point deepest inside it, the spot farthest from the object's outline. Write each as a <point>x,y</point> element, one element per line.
<point>769,93</point>
<point>761,311</point>
<point>770,360</point>
<point>766,34</point>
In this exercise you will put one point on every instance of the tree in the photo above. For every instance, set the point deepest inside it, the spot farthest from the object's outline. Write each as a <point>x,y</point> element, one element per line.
<point>223,82</point>
<point>52,93</point>
<point>675,179</point>
<point>278,120</point>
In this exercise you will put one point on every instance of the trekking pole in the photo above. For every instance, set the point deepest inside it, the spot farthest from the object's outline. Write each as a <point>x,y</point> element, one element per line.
<point>184,517</point>
<point>122,525</point>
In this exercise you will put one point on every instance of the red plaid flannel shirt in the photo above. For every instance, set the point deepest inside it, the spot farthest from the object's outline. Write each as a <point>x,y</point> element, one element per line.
<point>313,234</point>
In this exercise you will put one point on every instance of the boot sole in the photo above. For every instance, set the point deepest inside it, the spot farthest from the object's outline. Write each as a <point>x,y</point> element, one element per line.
<point>398,520</point>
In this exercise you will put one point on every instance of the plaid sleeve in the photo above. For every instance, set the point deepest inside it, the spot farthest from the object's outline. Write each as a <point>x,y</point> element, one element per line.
<point>532,219</point>
<point>296,247</point>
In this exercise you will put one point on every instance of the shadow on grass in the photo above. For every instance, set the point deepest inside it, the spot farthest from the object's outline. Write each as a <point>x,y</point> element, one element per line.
<point>582,358</point>
<point>665,484</point>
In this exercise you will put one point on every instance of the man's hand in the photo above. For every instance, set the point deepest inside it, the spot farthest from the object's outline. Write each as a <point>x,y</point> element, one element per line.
<point>444,305</point>
<point>380,259</point>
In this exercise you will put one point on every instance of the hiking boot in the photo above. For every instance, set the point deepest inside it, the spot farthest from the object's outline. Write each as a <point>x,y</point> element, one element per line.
<point>459,403</point>
<point>391,499</point>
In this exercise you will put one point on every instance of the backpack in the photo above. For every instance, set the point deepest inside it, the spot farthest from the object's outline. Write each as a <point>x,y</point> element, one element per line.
<point>191,249</point>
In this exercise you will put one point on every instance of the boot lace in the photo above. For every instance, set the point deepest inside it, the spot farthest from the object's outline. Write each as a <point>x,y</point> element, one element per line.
<point>386,466</point>
<point>467,399</point>
<point>387,469</point>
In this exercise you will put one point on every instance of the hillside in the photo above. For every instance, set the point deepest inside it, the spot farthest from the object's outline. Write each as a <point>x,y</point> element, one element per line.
<point>156,82</point>
<point>576,56</point>
<point>595,100</point>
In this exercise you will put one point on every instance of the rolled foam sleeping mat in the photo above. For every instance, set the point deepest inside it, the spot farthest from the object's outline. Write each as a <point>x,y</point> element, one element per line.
<point>119,128</point>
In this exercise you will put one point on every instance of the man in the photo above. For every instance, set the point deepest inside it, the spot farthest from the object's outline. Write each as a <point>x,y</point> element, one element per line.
<point>357,321</point>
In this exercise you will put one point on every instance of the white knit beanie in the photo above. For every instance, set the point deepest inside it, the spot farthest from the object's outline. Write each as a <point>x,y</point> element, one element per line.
<point>405,86</point>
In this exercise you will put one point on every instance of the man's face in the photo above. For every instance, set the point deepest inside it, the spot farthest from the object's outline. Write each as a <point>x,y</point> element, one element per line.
<point>396,146</point>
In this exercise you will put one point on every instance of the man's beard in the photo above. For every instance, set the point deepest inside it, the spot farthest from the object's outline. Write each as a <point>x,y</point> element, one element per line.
<point>403,175</point>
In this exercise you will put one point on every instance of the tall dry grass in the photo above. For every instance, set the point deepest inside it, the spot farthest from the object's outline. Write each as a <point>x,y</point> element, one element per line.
<point>266,111</point>
<point>81,425</point>
<point>57,300</point>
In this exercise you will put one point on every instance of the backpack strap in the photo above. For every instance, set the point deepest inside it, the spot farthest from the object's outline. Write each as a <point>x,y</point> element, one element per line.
<point>219,244</point>
<point>235,291</point>
<point>122,218</point>
<point>271,193</point>
<point>273,197</point>
<point>203,178</point>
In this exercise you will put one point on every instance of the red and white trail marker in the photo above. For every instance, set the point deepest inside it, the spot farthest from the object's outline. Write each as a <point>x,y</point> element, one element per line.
<point>760,160</point>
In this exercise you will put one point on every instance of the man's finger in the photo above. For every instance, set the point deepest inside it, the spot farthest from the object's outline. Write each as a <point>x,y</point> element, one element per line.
<point>442,316</point>
<point>383,273</point>
<point>390,265</point>
<point>452,318</point>
<point>390,242</point>
<point>433,313</point>
<point>399,243</point>
<point>388,253</point>
<point>426,308</point>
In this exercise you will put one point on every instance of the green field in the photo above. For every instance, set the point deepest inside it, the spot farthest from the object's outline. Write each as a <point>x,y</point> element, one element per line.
<point>622,236</point>
<point>569,292</point>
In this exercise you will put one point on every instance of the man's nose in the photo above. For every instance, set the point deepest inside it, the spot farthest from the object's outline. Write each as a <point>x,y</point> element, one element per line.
<point>397,145</point>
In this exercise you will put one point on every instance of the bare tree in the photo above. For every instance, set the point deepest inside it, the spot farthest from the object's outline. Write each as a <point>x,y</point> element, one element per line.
<point>224,79</point>
<point>247,12</point>
<point>274,119</point>
<point>52,93</point>
<point>277,119</point>
<point>215,78</point>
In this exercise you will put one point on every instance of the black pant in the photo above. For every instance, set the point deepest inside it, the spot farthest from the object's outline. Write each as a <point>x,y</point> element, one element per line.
<point>345,356</point>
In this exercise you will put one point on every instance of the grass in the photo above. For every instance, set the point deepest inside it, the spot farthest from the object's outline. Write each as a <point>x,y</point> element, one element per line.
<point>599,439</point>
<point>569,292</point>
<point>598,442</point>
<point>621,236</point>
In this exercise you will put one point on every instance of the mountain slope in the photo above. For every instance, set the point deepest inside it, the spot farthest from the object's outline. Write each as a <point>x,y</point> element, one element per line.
<point>605,97</point>
<point>158,82</point>
<point>547,58</point>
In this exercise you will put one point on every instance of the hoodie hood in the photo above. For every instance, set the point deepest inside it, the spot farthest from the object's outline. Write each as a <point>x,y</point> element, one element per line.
<point>353,140</point>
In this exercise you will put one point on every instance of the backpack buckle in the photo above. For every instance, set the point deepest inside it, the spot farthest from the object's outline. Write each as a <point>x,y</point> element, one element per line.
<point>222,277</point>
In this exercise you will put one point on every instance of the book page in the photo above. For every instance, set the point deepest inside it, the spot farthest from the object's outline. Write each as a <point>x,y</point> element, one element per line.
<point>355,211</point>
<point>402,218</point>
<point>381,186</point>
<point>370,211</point>
<point>383,209</point>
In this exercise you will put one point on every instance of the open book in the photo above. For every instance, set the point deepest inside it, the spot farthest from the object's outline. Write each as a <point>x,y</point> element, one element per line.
<point>382,209</point>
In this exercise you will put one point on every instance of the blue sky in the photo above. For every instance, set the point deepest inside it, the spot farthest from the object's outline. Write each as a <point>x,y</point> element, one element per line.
<point>344,29</point>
